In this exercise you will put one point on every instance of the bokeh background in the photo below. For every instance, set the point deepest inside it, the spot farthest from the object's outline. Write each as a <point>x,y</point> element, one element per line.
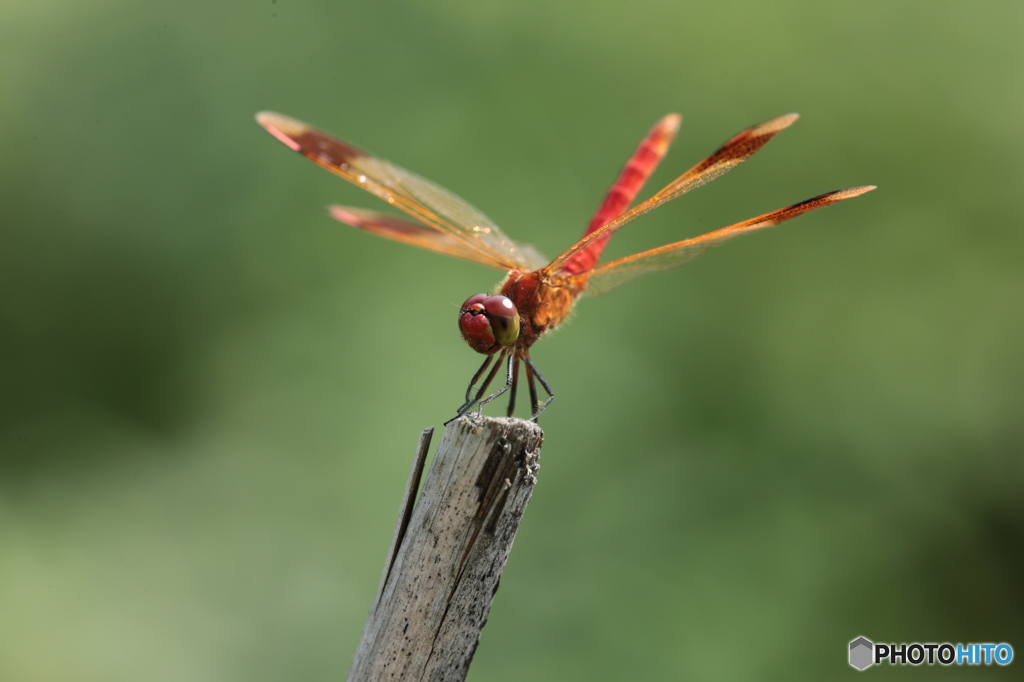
<point>210,392</point>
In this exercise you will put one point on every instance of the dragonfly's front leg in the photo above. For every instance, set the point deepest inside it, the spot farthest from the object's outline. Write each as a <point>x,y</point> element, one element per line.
<point>509,379</point>
<point>476,377</point>
<point>472,400</point>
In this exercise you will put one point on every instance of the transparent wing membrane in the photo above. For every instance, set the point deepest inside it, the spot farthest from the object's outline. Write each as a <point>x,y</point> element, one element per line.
<point>613,274</point>
<point>434,206</point>
<point>738,149</point>
<point>408,232</point>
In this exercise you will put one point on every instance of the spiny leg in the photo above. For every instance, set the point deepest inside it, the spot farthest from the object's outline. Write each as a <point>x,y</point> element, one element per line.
<point>532,372</point>
<point>470,399</point>
<point>476,377</point>
<point>533,390</point>
<point>508,379</point>
<point>483,386</point>
<point>515,383</point>
<point>490,377</point>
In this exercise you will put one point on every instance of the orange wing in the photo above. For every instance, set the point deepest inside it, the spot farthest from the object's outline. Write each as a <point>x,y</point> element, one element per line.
<point>738,149</point>
<point>448,220</point>
<point>408,232</point>
<point>608,276</point>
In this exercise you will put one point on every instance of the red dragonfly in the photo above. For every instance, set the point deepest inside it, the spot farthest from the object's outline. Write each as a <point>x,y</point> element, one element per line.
<point>534,298</point>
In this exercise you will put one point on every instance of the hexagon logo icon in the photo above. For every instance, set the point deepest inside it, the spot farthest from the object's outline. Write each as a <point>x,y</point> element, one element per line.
<point>861,653</point>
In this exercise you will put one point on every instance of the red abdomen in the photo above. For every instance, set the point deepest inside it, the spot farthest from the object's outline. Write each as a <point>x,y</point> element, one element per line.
<point>629,183</point>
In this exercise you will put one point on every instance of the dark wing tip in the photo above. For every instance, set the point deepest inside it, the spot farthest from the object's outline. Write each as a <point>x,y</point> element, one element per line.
<point>285,129</point>
<point>308,141</point>
<point>831,198</point>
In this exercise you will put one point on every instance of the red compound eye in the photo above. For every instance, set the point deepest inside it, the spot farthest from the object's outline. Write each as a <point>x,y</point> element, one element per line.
<point>489,323</point>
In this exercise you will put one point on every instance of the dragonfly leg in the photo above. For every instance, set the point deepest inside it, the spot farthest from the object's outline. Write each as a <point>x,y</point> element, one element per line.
<point>532,372</point>
<point>508,380</point>
<point>476,378</point>
<point>533,390</point>
<point>472,400</point>
<point>515,383</point>
<point>476,401</point>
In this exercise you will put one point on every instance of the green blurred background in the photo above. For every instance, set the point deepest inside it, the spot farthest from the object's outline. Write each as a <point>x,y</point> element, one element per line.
<point>210,392</point>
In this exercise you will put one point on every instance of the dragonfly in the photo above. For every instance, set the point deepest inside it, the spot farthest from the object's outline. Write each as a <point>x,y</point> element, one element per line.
<point>536,295</point>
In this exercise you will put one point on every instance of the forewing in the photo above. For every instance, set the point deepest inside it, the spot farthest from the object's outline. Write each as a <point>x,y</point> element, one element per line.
<point>408,232</point>
<point>613,274</point>
<point>738,149</point>
<point>435,206</point>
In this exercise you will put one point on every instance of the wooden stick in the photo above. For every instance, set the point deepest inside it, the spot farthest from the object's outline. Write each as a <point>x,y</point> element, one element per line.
<point>446,558</point>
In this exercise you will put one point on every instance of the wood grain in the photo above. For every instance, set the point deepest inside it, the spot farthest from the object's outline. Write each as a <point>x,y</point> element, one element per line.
<point>444,568</point>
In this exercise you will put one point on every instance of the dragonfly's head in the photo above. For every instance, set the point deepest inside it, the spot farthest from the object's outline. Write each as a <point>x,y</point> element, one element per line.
<point>489,323</point>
